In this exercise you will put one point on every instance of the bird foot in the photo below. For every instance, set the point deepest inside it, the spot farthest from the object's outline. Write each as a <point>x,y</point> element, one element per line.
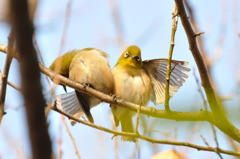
<point>114,97</point>
<point>85,85</point>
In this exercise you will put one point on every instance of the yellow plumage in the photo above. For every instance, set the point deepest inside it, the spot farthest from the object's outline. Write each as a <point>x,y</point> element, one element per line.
<point>140,81</point>
<point>89,67</point>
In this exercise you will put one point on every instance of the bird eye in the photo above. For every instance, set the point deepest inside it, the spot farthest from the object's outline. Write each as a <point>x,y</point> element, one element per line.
<point>126,54</point>
<point>138,58</point>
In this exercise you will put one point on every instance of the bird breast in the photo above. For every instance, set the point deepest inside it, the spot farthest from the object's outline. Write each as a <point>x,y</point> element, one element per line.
<point>133,87</point>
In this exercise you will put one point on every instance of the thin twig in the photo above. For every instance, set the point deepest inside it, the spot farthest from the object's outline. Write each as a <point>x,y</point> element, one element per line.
<point>40,55</point>
<point>200,90</point>
<point>10,55</point>
<point>14,86</point>
<point>169,69</point>
<point>71,137</point>
<point>216,140</point>
<point>66,23</point>
<point>196,29</point>
<point>51,86</point>
<point>63,38</point>
<point>116,133</point>
<point>205,141</point>
<point>115,142</point>
<point>199,33</point>
<point>206,108</point>
<point>117,23</point>
<point>60,149</point>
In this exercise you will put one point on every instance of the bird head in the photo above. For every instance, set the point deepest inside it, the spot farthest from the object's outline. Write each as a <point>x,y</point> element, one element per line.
<point>131,57</point>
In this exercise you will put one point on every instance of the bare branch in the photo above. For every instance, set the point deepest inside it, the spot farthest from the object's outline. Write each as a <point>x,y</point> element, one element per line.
<point>150,111</point>
<point>40,55</point>
<point>32,89</point>
<point>60,148</point>
<point>71,137</point>
<point>116,133</point>
<point>14,86</point>
<point>220,118</point>
<point>10,55</point>
<point>169,69</point>
<point>205,141</point>
<point>117,22</point>
<point>206,108</point>
<point>66,23</point>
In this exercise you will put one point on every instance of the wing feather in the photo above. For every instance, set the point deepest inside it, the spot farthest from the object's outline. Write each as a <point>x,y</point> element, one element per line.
<point>157,68</point>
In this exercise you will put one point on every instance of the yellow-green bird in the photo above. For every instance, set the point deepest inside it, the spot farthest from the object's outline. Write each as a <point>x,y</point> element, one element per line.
<point>140,81</point>
<point>90,67</point>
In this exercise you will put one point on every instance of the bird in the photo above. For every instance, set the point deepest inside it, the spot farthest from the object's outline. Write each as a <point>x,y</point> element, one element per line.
<point>138,82</point>
<point>90,67</point>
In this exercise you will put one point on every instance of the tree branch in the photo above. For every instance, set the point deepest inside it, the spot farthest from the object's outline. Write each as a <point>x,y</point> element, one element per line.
<point>10,55</point>
<point>150,111</point>
<point>14,86</point>
<point>206,108</point>
<point>152,140</point>
<point>117,23</point>
<point>71,137</point>
<point>220,118</point>
<point>169,69</point>
<point>30,78</point>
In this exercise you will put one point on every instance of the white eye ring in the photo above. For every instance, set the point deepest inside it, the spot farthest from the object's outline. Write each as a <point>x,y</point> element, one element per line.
<point>126,54</point>
<point>138,58</point>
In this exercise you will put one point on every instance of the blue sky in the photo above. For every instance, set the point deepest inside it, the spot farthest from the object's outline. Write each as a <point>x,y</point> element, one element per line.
<point>148,25</point>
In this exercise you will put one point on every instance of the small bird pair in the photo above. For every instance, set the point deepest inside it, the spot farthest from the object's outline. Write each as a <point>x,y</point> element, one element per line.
<point>131,79</point>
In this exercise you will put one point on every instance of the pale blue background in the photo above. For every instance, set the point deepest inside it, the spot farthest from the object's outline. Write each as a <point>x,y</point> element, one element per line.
<point>148,25</point>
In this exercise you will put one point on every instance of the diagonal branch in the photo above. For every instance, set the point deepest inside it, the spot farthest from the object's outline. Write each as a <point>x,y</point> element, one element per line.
<point>152,140</point>
<point>206,108</point>
<point>150,111</point>
<point>220,118</point>
<point>117,22</point>
<point>10,55</point>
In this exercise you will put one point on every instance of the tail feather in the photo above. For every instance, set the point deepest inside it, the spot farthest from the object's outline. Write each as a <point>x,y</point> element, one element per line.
<point>71,109</point>
<point>69,103</point>
<point>84,101</point>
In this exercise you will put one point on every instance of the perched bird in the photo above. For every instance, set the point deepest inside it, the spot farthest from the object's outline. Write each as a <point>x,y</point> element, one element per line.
<point>140,81</point>
<point>89,67</point>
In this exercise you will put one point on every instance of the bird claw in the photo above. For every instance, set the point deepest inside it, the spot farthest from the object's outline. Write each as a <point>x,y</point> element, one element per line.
<point>114,97</point>
<point>85,85</point>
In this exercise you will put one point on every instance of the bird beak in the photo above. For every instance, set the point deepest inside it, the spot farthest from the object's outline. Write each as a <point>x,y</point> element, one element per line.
<point>132,56</point>
<point>135,57</point>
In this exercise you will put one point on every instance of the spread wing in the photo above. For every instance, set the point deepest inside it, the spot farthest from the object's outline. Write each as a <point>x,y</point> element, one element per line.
<point>156,69</point>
